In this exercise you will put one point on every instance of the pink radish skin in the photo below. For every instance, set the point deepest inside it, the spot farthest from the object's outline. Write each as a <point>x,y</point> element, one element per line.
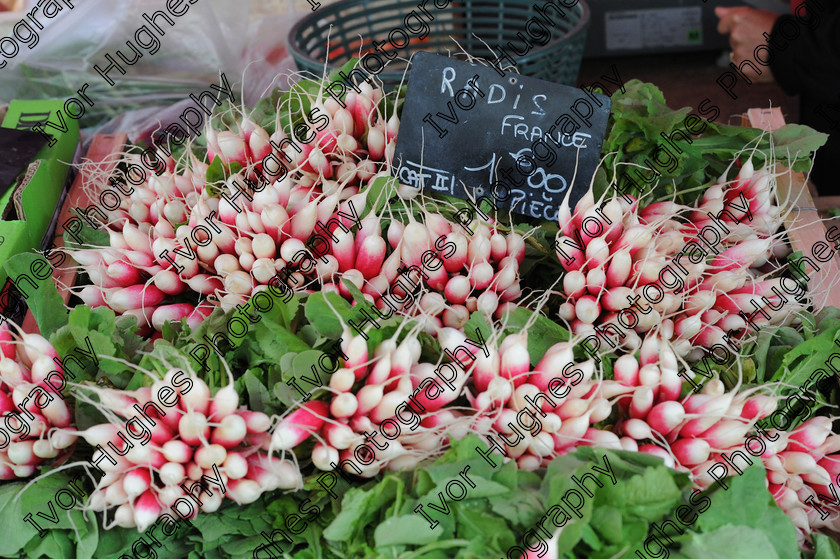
<point>726,433</point>
<point>7,346</point>
<point>169,282</point>
<point>235,466</point>
<point>368,397</point>
<point>577,257</point>
<point>207,456</point>
<point>21,453</point>
<point>172,473</point>
<point>515,359</point>
<point>224,403</point>
<point>193,428</point>
<point>341,436</point>
<point>574,283</point>
<point>759,406</point>
<point>626,370</point>
<point>170,313</point>
<point>41,368</point>
<point>177,451</point>
<point>595,281</point>
<point>34,346</point>
<point>637,429</point>
<point>323,455</point>
<point>255,422</point>
<point>423,373</point>
<point>100,434</point>
<point>231,147</point>
<point>6,404</point>
<point>197,399</point>
<point>198,315</point>
<point>243,491</point>
<point>230,432</point>
<point>371,255</point>
<point>44,450</point>
<point>134,297</point>
<point>642,402</point>
<point>146,510</point>
<point>587,309</point>
<point>666,416</point>
<point>13,373</point>
<point>741,256</point>
<point>124,516</point>
<point>123,273</point>
<point>299,425</point>
<point>204,284</point>
<point>810,434</point>
<point>670,384</point>
<point>139,259</point>
<point>619,268</point>
<point>136,482</point>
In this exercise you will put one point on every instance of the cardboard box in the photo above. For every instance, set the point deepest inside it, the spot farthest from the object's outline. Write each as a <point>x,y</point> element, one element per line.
<point>36,196</point>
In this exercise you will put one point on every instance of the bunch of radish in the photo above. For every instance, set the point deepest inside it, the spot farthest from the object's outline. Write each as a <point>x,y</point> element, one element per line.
<point>803,475</point>
<point>377,392</point>
<point>693,432</point>
<point>802,470</point>
<point>125,275</point>
<point>32,405</point>
<point>463,269</point>
<point>496,394</point>
<point>802,466</point>
<point>686,432</point>
<point>204,439</point>
<point>355,129</point>
<point>636,269</point>
<point>170,237</point>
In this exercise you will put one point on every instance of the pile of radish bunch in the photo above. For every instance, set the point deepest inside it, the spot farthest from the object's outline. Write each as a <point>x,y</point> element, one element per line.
<point>350,147</point>
<point>195,436</point>
<point>466,269</point>
<point>26,361</point>
<point>368,390</point>
<point>178,250</point>
<point>802,464</point>
<point>693,433</point>
<point>218,251</point>
<point>626,247</point>
<point>126,275</point>
<point>172,238</point>
<point>641,409</point>
<point>803,475</point>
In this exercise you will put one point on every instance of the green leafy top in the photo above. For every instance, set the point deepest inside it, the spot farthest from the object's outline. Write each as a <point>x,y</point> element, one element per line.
<point>377,518</point>
<point>639,121</point>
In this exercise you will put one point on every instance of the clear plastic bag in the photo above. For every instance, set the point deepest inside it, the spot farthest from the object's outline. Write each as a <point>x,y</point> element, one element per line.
<point>211,37</point>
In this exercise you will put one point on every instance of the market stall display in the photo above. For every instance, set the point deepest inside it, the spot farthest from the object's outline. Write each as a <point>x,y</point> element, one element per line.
<point>367,369</point>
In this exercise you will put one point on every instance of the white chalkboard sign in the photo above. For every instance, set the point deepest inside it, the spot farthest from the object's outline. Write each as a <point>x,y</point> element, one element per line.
<point>473,131</point>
